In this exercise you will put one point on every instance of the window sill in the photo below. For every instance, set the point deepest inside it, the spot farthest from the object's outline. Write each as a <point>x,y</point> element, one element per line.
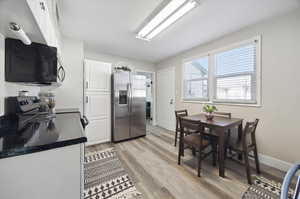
<point>222,103</point>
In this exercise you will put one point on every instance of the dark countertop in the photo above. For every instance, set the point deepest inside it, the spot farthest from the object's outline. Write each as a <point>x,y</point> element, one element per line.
<point>64,129</point>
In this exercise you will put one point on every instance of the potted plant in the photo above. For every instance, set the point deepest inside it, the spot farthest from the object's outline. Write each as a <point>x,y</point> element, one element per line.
<point>209,110</point>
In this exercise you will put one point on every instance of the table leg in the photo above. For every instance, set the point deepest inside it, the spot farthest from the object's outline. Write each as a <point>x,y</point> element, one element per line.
<point>221,134</point>
<point>240,132</point>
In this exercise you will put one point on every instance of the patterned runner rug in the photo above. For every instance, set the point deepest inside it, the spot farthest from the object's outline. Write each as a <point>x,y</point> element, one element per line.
<point>264,188</point>
<point>105,178</point>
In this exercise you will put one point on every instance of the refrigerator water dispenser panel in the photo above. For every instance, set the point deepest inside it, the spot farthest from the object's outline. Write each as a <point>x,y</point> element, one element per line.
<point>123,97</point>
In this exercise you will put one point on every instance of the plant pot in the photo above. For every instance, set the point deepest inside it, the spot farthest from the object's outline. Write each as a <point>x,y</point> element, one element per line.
<point>209,116</point>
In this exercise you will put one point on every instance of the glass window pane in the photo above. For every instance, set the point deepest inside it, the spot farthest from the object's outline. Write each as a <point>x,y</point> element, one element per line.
<point>235,88</point>
<point>238,60</point>
<point>197,68</point>
<point>196,89</point>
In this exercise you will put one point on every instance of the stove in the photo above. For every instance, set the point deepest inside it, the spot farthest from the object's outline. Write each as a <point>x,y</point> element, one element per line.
<point>25,129</point>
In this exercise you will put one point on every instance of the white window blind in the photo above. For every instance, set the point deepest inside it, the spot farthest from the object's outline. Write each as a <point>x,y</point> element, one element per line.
<point>235,74</point>
<point>231,75</point>
<point>195,75</point>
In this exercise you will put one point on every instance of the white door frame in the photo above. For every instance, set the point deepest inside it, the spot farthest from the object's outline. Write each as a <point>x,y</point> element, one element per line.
<point>153,108</point>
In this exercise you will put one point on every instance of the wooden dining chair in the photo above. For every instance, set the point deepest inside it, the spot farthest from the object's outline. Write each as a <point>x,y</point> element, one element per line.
<point>178,114</point>
<point>224,114</point>
<point>194,140</point>
<point>245,145</point>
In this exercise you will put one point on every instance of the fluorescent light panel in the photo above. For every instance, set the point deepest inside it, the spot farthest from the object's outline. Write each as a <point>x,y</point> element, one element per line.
<point>161,16</point>
<point>183,10</point>
<point>165,18</point>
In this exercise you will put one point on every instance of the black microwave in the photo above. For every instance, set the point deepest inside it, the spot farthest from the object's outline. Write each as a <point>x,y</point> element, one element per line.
<point>35,63</point>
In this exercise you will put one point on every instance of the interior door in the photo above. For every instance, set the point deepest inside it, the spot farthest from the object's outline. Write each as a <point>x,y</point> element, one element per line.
<point>97,107</point>
<point>166,98</point>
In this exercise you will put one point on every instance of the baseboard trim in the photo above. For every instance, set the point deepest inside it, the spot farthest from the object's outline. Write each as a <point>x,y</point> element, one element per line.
<point>96,142</point>
<point>274,162</point>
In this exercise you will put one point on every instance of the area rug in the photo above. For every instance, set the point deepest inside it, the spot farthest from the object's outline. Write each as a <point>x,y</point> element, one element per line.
<point>264,188</point>
<point>105,177</point>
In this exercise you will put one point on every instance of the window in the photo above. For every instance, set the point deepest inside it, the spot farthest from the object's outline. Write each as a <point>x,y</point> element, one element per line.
<point>232,75</point>
<point>235,74</point>
<point>196,79</point>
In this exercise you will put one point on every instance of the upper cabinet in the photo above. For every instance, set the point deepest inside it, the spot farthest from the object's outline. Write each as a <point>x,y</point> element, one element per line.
<point>44,14</point>
<point>97,76</point>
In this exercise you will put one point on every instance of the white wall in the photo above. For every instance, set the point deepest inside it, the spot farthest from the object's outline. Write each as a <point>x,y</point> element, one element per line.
<point>278,133</point>
<point>136,64</point>
<point>10,89</point>
<point>70,94</point>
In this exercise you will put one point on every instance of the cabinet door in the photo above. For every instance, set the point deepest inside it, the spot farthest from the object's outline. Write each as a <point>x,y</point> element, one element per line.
<point>41,14</point>
<point>98,75</point>
<point>97,105</point>
<point>98,131</point>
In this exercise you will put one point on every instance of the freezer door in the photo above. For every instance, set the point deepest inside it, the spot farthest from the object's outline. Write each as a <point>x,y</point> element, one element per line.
<point>121,106</point>
<point>138,106</point>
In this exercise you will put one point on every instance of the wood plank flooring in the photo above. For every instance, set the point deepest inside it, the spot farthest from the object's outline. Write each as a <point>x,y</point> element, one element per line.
<point>152,163</point>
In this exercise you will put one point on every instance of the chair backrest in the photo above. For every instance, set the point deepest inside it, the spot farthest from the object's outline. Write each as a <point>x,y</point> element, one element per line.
<point>224,114</point>
<point>190,125</point>
<point>250,129</point>
<point>181,113</point>
<point>178,114</point>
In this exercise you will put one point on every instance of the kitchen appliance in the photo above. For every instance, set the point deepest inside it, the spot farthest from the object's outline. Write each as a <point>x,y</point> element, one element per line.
<point>128,105</point>
<point>23,118</point>
<point>35,63</point>
<point>25,127</point>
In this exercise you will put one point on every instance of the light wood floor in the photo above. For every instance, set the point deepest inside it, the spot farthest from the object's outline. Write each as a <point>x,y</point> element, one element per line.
<point>152,163</point>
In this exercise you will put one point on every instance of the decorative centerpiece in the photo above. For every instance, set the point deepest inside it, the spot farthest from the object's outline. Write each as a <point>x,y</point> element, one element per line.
<point>209,110</point>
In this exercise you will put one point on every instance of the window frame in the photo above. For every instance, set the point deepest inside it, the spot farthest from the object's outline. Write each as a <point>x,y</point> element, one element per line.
<point>198,79</point>
<point>212,78</point>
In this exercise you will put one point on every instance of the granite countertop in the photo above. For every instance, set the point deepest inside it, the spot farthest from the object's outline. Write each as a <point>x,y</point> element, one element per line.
<point>63,130</point>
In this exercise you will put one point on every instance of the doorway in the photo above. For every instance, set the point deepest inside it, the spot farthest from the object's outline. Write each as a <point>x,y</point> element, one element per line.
<point>150,95</point>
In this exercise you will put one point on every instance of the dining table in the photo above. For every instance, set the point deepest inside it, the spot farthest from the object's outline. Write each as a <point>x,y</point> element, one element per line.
<point>220,125</point>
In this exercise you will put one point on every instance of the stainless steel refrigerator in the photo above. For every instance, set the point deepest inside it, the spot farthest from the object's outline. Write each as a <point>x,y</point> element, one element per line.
<point>128,105</point>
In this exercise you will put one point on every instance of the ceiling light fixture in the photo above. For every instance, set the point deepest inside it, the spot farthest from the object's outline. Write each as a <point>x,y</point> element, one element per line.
<point>174,10</point>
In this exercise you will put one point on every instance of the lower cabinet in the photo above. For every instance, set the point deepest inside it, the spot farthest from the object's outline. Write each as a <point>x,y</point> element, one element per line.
<point>56,173</point>
<point>98,131</point>
<point>97,109</point>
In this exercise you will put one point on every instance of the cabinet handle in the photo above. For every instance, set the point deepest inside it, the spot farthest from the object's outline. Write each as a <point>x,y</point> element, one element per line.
<point>86,84</point>
<point>42,6</point>
<point>86,99</point>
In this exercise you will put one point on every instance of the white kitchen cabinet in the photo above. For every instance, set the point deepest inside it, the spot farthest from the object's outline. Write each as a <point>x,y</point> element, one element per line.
<point>97,76</point>
<point>97,95</point>
<point>41,13</point>
<point>56,173</point>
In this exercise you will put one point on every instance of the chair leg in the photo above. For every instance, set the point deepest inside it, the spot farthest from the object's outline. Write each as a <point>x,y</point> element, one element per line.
<point>240,157</point>
<point>176,134</point>
<point>179,153</point>
<point>256,160</point>
<point>214,155</point>
<point>194,151</point>
<point>247,165</point>
<point>199,162</point>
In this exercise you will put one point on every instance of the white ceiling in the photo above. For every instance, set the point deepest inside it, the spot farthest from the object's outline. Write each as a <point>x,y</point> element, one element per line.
<point>109,26</point>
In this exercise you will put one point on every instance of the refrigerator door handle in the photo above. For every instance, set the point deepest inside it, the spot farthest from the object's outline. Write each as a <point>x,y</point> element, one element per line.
<point>131,97</point>
<point>128,96</point>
